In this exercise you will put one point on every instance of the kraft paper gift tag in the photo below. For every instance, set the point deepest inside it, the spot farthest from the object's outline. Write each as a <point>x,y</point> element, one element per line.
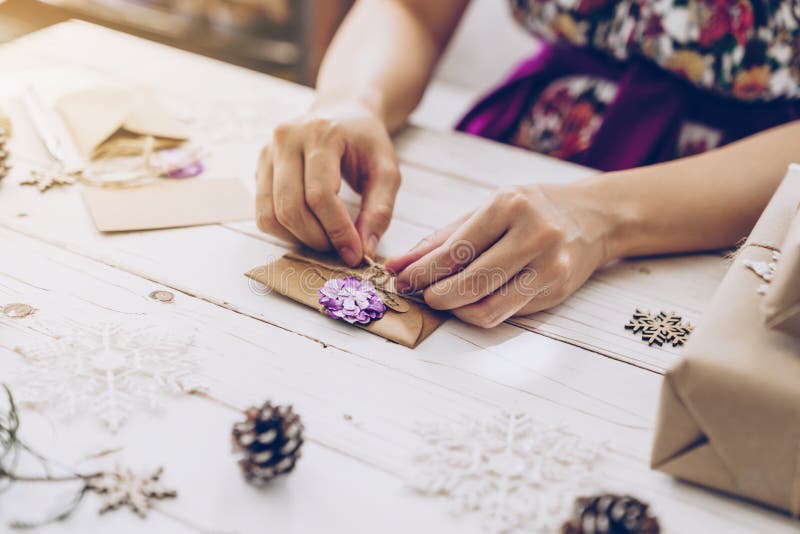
<point>300,274</point>
<point>782,301</point>
<point>729,416</point>
<point>168,204</point>
<point>108,121</point>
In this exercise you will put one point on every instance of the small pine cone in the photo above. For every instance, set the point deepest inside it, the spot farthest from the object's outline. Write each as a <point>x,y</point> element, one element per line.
<point>4,167</point>
<point>611,514</point>
<point>269,441</point>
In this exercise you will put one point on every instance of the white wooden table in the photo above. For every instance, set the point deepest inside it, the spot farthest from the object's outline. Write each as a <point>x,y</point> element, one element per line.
<point>360,396</point>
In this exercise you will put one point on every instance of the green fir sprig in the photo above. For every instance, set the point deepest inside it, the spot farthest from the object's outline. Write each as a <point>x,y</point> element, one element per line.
<point>11,450</point>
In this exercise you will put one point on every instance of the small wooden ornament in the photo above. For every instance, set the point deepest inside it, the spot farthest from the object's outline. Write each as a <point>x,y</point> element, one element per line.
<point>44,180</point>
<point>162,296</point>
<point>5,124</point>
<point>127,489</point>
<point>18,310</point>
<point>661,328</point>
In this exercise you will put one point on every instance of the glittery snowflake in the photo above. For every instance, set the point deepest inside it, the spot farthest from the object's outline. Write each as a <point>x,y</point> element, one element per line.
<point>519,475</point>
<point>109,370</point>
<point>661,328</point>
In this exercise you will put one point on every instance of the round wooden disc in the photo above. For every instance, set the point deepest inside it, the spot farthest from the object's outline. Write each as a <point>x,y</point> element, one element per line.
<point>162,296</point>
<point>18,310</point>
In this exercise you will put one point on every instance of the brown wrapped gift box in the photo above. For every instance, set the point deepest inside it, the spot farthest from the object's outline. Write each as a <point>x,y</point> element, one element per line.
<point>300,274</point>
<point>782,302</point>
<point>730,410</point>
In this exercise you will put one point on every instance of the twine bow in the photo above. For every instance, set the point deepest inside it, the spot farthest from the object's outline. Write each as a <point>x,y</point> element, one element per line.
<point>376,273</point>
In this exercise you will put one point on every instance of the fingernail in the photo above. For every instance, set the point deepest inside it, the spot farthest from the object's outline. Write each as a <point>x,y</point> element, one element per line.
<point>348,255</point>
<point>401,285</point>
<point>372,244</point>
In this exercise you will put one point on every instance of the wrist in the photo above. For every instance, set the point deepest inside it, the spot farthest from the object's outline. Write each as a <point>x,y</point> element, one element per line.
<point>614,214</point>
<point>370,103</point>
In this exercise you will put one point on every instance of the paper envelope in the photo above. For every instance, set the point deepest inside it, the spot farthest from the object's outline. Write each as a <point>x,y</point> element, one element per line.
<point>729,416</point>
<point>168,204</point>
<point>94,116</point>
<point>300,274</point>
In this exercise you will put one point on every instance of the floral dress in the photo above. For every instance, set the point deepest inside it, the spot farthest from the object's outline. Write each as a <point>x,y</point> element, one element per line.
<point>622,83</point>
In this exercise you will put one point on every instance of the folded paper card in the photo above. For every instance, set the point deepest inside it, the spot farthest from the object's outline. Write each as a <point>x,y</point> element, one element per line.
<point>168,204</point>
<point>729,416</point>
<point>782,301</point>
<point>107,120</point>
<point>300,275</point>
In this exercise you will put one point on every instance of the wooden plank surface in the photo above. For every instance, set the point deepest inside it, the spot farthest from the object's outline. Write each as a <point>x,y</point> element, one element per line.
<point>258,346</point>
<point>436,166</point>
<point>382,388</point>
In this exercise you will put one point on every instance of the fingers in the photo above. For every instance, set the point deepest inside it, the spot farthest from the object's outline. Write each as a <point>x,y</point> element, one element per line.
<point>300,175</point>
<point>377,204</point>
<point>471,239</point>
<point>494,309</point>
<point>489,272</point>
<point>266,220</point>
<point>427,244</point>
<point>528,292</point>
<point>322,180</point>
<point>289,194</point>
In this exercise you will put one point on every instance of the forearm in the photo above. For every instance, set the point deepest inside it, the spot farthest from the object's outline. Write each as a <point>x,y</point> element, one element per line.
<point>702,202</point>
<point>384,54</point>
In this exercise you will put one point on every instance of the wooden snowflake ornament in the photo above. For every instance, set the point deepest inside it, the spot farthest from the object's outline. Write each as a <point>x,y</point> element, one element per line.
<point>44,180</point>
<point>124,488</point>
<point>659,329</point>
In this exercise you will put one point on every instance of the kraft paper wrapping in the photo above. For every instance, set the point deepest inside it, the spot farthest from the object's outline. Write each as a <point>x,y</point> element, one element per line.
<point>300,274</point>
<point>782,301</point>
<point>729,416</point>
<point>100,117</point>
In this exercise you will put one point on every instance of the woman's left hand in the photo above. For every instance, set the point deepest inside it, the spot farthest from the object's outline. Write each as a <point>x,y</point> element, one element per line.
<point>528,249</point>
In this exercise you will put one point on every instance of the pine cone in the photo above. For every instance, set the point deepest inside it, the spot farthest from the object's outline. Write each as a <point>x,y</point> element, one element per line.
<point>611,514</point>
<point>4,167</point>
<point>269,441</point>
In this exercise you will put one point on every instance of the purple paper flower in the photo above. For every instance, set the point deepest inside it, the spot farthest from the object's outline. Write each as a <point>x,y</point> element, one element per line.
<point>176,163</point>
<point>351,299</point>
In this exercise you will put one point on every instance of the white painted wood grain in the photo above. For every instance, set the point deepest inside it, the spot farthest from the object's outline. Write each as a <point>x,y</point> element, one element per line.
<point>264,345</point>
<point>443,179</point>
<point>384,390</point>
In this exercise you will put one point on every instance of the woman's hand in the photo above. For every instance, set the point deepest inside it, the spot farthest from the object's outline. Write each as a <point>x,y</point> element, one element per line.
<point>301,171</point>
<point>526,250</point>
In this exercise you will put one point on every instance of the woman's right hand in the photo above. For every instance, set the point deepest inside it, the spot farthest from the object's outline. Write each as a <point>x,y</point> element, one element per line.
<point>300,174</point>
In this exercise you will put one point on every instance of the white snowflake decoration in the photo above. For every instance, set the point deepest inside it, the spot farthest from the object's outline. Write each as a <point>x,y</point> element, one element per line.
<point>516,473</point>
<point>109,370</point>
<point>764,270</point>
